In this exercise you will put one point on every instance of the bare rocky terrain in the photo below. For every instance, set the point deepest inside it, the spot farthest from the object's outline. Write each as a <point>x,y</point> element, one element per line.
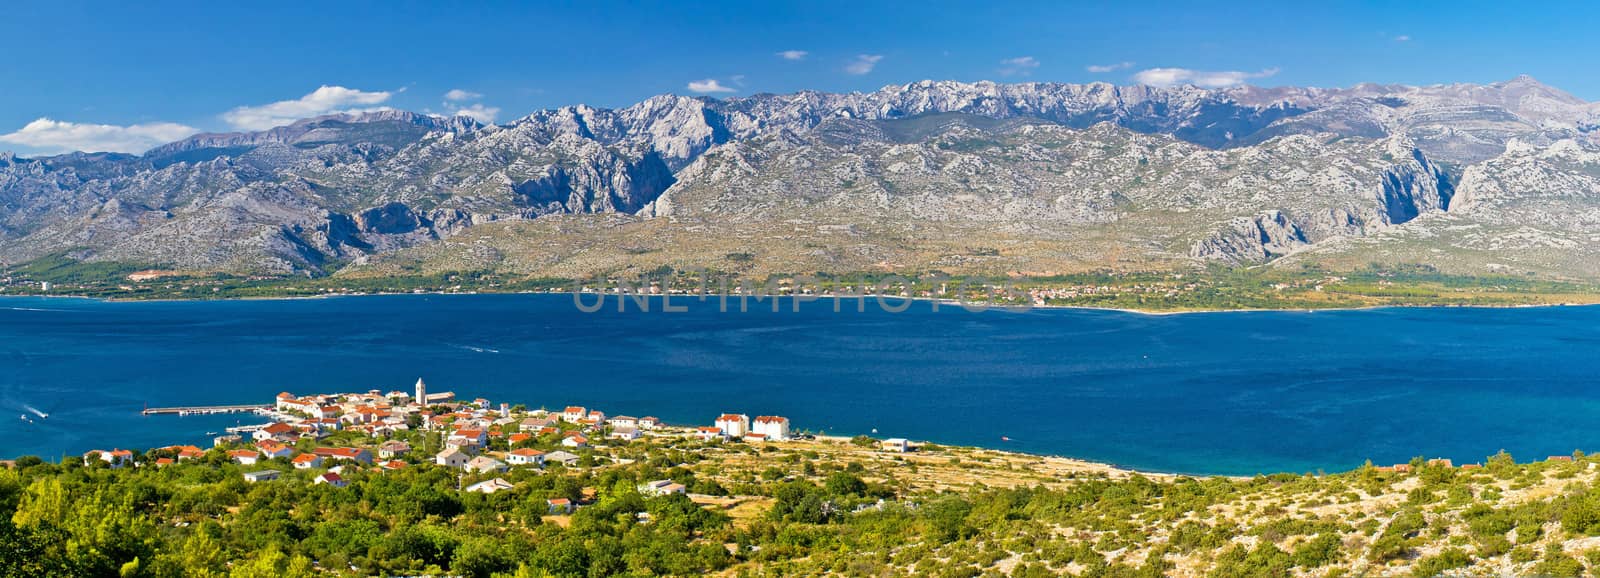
<point>957,177</point>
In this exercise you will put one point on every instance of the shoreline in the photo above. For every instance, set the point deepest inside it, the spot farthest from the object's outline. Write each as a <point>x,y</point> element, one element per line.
<point>937,301</point>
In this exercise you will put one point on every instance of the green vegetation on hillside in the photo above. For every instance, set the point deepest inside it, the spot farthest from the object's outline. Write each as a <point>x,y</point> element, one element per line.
<point>803,508</point>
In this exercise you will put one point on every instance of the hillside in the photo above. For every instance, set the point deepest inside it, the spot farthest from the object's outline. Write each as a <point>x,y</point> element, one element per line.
<point>806,508</point>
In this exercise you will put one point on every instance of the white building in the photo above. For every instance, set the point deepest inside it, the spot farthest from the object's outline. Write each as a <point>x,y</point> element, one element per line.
<point>525,457</point>
<point>452,458</point>
<point>734,425</point>
<point>490,486</point>
<point>422,392</point>
<point>624,433</point>
<point>662,488</point>
<point>574,413</point>
<point>774,427</point>
<point>484,465</point>
<point>897,445</point>
<point>261,476</point>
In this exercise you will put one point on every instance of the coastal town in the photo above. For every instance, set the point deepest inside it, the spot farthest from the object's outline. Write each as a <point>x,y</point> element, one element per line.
<point>448,486</point>
<point>380,431</point>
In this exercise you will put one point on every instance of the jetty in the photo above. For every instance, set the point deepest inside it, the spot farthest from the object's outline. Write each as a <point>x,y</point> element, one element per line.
<point>208,409</point>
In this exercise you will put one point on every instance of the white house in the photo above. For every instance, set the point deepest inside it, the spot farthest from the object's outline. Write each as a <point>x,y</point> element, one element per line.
<point>244,457</point>
<point>490,486</point>
<point>117,458</point>
<point>261,476</point>
<point>484,465</point>
<point>661,488</point>
<point>624,433</point>
<point>332,479</point>
<point>275,431</point>
<point>575,441</point>
<point>307,461</point>
<point>561,457</point>
<point>393,448</point>
<point>573,413</point>
<point>273,449</point>
<point>452,458</point>
<point>525,457</point>
<point>774,427</point>
<point>734,425</point>
<point>624,421</point>
<point>649,422</point>
<point>708,433</point>
<point>897,445</point>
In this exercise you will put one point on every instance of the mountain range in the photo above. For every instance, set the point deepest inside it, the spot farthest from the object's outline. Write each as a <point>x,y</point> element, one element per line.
<point>948,176</point>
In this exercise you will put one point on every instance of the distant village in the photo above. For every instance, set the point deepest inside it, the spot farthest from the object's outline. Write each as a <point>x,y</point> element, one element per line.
<point>389,431</point>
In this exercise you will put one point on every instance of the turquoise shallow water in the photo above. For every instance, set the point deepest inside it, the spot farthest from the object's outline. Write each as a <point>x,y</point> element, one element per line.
<point>1225,393</point>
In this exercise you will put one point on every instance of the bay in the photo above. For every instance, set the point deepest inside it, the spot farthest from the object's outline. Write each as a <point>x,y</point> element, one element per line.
<point>1212,393</point>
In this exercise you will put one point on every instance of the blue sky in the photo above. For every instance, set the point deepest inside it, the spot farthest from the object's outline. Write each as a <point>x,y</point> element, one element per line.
<point>124,76</point>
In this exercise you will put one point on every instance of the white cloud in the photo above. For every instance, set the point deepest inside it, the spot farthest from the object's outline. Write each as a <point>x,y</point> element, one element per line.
<point>1402,38</point>
<point>53,136</point>
<point>324,100</point>
<point>1104,68</point>
<point>479,112</point>
<point>1200,78</point>
<point>459,95</point>
<point>793,54</point>
<point>1022,65</point>
<point>708,85</point>
<point>863,64</point>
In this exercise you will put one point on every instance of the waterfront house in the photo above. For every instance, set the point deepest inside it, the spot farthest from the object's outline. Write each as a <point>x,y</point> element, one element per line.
<point>332,479</point>
<point>733,425</point>
<point>273,449</point>
<point>393,449</point>
<point>307,461</point>
<point>661,488</point>
<point>452,458</point>
<point>649,422</point>
<point>115,458</point>
<point>709,433</point>
<point>189,453</point>
<point>624,433</point>
<point>525,457</point>
<point>774,427</point>
<point>275,431</point>
<point>490,486</point>
<point>244,457</point>
<point>1441,462</point>
<point>624,421</point>
<point>558,506</point>
<point>573,413</point>
<point>226,439</point>
<point>896,445</point>
<point>596,416</point>
<point>561,457</point>
<point>1559,458</point>
<point>484,465</point>
<point>534,424</point>
<point>575,441</point>
<point>261,476</point>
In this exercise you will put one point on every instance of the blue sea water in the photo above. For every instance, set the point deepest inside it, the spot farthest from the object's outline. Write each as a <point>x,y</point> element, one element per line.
<point>1214,393</point>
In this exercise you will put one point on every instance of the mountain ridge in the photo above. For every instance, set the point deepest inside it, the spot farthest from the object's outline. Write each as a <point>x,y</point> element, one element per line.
<point>328,193</point>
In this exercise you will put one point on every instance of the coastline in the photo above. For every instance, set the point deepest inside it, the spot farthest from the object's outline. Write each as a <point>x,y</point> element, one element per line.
<point>940,301</point>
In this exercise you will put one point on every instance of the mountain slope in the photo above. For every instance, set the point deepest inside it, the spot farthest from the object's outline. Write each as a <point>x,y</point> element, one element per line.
<point>1085,174</point>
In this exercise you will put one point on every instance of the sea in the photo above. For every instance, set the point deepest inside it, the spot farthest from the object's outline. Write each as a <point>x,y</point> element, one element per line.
<point>1235,393</point>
